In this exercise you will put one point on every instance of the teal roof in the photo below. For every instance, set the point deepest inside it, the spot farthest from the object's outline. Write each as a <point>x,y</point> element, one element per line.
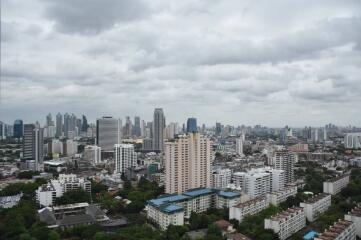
<point>168,199</point>
<point>199,192</point>
<point>310,235</point>
<point>172,208</point>
<point>228,194</point>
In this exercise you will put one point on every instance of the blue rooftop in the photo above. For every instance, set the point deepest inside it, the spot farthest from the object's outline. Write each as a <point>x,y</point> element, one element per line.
<point>228,194</point>
<point>169,199</point>
<point>310,235</point>
<point>198,192</point>
<point>172,208</point>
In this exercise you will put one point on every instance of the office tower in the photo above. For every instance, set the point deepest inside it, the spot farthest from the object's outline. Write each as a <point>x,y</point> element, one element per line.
<point>171,130</point>
<point>315,136</point>
<point>203,128</point>
<point>191,125</point>
<point>66,124</point>
<point>125,157</point>
<point>84,124</point>
<point>184,128</point>
<point>283,135</point>
<point>2,130</point>
<point>136,129</point>
<point>127,131</point>
<point>18,128</point>
<point>33,144</point>
<point>353,140</point>
<point>49,120</point>
<point>59,125</point>
<point>218,128</point>
<point>142,128</point>
<point>108,133</point>
<point>158,129</point>
<point>187,163</point>
<point>324,134</point>
<point>239,146</point>
<point>285,160</point>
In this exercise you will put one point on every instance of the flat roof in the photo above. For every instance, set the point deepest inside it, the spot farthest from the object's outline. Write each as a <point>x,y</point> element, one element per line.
<point>171,208</point>
<point>168,199</point>
<point>198,192</point>
<point>228,194</point>
<point>316,198</point>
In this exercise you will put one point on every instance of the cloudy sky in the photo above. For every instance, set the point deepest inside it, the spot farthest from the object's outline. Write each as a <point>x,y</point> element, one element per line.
<point>239,62</point>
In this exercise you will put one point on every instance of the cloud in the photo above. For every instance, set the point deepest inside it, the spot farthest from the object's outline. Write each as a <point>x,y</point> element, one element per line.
<point>93,16</point>
<point>230,61</point>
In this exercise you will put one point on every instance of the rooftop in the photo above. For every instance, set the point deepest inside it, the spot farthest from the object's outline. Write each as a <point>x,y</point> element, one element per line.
<point>316,198</point>
<point>228,194</point>
<point>286,213</point>
<point>334,231</point>
<point>168,199</point>
<point>250,202</point>
<point>337,178</point>
<point>171,208</point>
<point>198,192</point>
<point>356,211</point>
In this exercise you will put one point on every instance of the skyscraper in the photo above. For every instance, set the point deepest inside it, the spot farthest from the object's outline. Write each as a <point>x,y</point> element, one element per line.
<point>59,125</point>
<point>191,125</point>
<point>158,129</point>
<point>33,144</point>
<point>239,145</point>
<point>137,129</point>
<point>285,160</point>
<point>49,120</point>
<point>218,128</point>
<point>125,157</point>
<point>128,127</point>
<point>18,128</point>
<point>187,163</point>
<point>66,124</point>
<point>108,133</point>
<point>84,124</point>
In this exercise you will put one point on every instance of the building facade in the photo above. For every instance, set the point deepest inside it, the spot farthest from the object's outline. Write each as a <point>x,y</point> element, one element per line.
<point>316,205</point>
<point>286,223</point>
<point>335,185</point>
<point>277,197</point>
<point>92,154</point>
<point>250,207</point>
<point>341,230</point>
<point>108,131</point>
<point>187,163</point>
<point>158,130</point>
<point>355,216</point>
<point>125,157</point>
<point>285,160</point>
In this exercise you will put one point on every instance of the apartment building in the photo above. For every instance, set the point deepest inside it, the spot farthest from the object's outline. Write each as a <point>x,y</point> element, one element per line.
<point>250,207</point>
<point>55,188</point>
<point>188,163</point>
<point>221,178</point>
<point>355,216</point>
<point>316,205</point>
<point>335,185</point>
<point>172,209</point>
<point>276,198</point>
<point>287,222</point>
<point>341,230</point>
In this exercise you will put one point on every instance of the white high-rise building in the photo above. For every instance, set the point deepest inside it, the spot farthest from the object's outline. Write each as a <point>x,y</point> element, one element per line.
<point>353,140</point>
<point>70,147</point>
<point>92,154</point>
<point>125,157</point>
<point>285,160</point>
<point>239,146</point>
<point>108,131</point>
<point>187,163</point>
<point>56,146</point>
<point>171,130</point>
<point>221,178</point>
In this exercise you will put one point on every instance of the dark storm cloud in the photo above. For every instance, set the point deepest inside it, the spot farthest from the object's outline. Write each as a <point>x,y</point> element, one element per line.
<point>93,16</point>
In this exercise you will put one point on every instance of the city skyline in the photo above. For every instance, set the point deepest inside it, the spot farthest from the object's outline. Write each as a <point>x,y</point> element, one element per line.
<point>232,62</point>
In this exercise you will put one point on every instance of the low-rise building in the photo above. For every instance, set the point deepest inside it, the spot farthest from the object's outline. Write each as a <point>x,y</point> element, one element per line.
<point>355,216</point>
<point>47,193</point>
<point>172,209</point>
<point>316,205</point>
<point>335,185</point>
<point>286,223</point>
<point>341,230</point>
<point>10,201</point>
<point>276,198</point>
<point>250,207</point>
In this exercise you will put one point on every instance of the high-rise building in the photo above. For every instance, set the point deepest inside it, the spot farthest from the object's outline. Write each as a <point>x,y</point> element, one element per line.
<point>137,129</point>
<point>108,133</point>
<point>49,120</point>
<point>125,157</point>
<point>192,125</point>
<point>171,130</point>
<point>285,160</point>
<point>218,128</point>
<point>18,128</point>
<point>158,129</point>
<point>33,144</point>
<point>92,154</point>
<point>353,140</point>
<point>239,146</point>
<point>84,124</point>
<point>59,125</point>
<point>67,123</point>
<point>187,163</point>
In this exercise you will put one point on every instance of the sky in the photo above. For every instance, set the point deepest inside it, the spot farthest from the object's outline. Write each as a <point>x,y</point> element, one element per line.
<point>269,62</point>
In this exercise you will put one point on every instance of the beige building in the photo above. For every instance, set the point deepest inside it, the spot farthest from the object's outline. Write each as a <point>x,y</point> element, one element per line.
<point>341,230</point>
<point>187,163</point>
